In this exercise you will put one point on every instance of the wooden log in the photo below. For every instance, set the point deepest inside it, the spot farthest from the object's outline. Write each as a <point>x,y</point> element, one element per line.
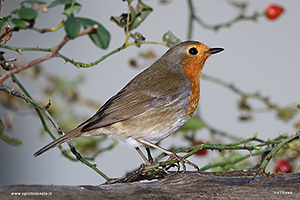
<point>189,185</point>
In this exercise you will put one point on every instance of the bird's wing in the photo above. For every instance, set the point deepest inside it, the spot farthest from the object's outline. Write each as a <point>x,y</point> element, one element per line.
<point>127,104</point>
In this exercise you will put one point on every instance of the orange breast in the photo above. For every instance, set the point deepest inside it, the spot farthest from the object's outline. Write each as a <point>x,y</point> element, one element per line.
<point>192,69</point>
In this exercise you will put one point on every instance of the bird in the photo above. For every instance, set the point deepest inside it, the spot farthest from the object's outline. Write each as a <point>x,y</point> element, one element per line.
<point>153,105</point>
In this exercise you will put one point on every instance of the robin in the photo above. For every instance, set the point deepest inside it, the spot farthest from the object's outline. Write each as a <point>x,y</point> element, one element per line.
<point>153,105</point>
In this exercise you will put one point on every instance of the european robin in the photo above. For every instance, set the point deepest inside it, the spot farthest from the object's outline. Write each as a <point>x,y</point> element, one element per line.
<point>153,105</point>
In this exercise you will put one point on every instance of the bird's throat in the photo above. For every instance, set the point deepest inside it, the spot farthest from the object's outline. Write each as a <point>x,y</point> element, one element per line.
<point>193,70</point>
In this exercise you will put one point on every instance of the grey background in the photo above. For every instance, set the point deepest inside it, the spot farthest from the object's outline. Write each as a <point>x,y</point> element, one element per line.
<point>260,56</point>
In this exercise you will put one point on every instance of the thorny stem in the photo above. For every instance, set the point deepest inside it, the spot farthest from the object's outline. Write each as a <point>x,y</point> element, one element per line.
<point>236,146</point>
<point>257,170</point>
<point>37,106</point>
<point>216,27</point>
<point>278,147</point>
<point>221,164</point>
<point>190,23</point>
<point>55,28</point>
<point>27,98</point>
<point>237,90</point>
<point>93,166</point>
<point>19,50</point>
<point>127,25</point>
<point>80,64</point>
<point>46,57</point>
<point>84,65</point>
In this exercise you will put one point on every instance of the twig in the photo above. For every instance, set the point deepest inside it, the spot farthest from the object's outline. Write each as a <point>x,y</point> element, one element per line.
<point>220,164</point>
<point>127,25</point>
<point>191,17</point>
<point>55,28</point>
<point>216,27</point>
<point>237,90</point>
<point>34,103</point>
<point>278,147</point>
<point>86,65</point>
<point>257,170</point>
<point>80,64</point>
<point>39,106</point>
<point>46,57</point>
<point>19,49</point>
<point>220,146</point>
<point>44,109</point>
<point>93,166</point>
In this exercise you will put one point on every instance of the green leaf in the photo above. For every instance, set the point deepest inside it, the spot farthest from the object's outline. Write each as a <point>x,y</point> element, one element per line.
<point>140,17</point>
<point>2,23</point>
<point>11,141</point>
<point>33,1</point>
<point>297,105</point>
<point>2,127</point>
<point>19,23</point>
<point>101,37</point>
<point>27,13</point>
<point>120,21</point>
<point>193,124</point>
<point>69,9</point>
<point>6,138</point>
<point>72,26</point>
<point>58,2</point>
<point>171,39</point>
<point>15,11</point>
<point>137,16</point>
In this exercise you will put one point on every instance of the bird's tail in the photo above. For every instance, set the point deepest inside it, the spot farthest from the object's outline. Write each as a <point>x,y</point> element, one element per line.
<point>55,143</point>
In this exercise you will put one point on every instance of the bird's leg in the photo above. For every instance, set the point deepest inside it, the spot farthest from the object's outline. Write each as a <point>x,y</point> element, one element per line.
<point>172,164</point>
<point>180,159</point>
<point>143,156</point>
<point>162,171</point>
<point>150,159</point>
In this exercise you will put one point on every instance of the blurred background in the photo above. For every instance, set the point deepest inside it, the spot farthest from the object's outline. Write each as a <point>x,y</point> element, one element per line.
<point>259,56</point>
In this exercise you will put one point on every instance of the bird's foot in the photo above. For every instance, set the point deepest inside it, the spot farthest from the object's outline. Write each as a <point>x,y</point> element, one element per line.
<point>182,161</point>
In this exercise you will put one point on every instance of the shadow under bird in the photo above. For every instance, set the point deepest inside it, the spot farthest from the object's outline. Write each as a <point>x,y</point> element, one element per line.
<point>153,105</point>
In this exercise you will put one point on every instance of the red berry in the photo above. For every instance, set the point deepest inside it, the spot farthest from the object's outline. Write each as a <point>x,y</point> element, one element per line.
<point>283,165</point>
<point>201,152</point>
<point>273,11</point>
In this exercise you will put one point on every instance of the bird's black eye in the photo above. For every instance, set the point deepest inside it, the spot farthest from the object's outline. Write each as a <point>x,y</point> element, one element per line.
<point>193,51</point>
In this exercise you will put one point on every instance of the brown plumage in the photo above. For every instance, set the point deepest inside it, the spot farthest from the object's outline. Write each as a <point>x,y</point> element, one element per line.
<point>153,105</point>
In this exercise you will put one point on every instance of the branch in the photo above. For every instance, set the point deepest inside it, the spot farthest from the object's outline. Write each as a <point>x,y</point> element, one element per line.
<point>237,90</point>
<point>34,103</point>
<point>46,57</point>
<point>283,112</point>
<point>86,65</point>
<point>278,147</point>
<point>19,49</point>
<point>27,98</point>
<point>239,17</point>
<point>44,30</point>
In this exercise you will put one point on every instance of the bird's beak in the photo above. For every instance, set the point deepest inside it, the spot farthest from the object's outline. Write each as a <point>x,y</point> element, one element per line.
<point>214,50</point>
